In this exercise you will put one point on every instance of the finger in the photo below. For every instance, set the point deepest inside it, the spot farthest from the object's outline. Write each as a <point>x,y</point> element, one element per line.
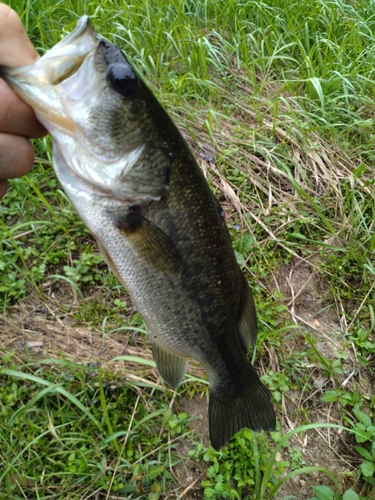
<point>16,156</point>
<point>16,117</point>
<point>15,46</point>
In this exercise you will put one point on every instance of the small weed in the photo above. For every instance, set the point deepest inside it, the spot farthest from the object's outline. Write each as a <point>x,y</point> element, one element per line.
<point>326,493</point>
<point>364,431</point>
<point>368,465</point>
<point>277,383</point>
<point>342,396</point>
<point>81,270</point>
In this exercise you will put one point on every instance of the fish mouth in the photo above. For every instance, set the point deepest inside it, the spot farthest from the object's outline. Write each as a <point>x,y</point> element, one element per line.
<point>37,83</point>
<point>68,55</point>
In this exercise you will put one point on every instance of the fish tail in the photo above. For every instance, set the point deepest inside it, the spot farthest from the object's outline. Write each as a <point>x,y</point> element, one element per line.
<point>229,413</point>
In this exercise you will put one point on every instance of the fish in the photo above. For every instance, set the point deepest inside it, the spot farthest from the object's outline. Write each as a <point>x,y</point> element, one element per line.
<point>136,185</point>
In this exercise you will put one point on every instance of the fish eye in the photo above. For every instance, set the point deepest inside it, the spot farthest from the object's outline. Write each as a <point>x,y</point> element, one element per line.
<point>122,80</point>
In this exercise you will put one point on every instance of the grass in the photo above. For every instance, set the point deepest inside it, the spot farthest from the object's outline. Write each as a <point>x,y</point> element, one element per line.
<point>276,99</point>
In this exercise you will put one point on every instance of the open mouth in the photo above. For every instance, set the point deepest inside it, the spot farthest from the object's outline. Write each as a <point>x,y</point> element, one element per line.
<point>37,83</point>
<point>68,55</point>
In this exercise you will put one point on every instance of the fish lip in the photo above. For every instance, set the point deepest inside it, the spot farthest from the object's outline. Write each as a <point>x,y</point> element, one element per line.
<point>83,24</point>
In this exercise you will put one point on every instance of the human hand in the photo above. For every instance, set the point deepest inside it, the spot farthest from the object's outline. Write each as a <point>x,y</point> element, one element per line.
<point>18,122</point>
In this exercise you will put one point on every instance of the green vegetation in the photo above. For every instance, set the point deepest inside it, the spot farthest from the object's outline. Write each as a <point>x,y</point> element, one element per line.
<point>276,98</point>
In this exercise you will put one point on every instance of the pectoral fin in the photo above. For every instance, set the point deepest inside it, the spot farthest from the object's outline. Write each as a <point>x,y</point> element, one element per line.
<point>150,242</point>
<point>171,367</point>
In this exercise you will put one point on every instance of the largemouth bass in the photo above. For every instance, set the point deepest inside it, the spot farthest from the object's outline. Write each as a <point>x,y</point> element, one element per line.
<point>136,185</point>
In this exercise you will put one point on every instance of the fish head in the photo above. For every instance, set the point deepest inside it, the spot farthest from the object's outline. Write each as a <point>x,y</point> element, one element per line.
<point>101,115</point>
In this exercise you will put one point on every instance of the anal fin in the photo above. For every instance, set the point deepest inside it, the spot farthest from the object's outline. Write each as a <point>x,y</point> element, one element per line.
<point>171,366</point>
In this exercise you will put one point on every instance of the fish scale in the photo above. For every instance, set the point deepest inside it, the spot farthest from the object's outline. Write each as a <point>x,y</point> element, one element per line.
<point>136,185</point>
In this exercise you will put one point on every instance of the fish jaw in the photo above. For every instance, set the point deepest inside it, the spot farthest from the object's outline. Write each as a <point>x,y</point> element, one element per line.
<point>36,83</point>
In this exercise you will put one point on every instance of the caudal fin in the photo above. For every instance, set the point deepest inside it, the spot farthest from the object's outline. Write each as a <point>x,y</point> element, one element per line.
<point>250,408</point>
